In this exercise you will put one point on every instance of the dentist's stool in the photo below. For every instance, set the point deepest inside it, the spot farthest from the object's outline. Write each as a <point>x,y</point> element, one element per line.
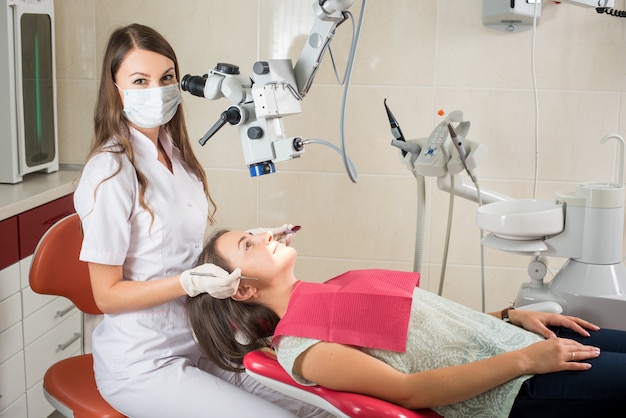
<point>69,384</point>
<point>263,366</point>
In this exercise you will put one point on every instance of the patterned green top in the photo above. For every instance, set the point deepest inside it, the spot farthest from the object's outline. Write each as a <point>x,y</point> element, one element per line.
<point>442,333</point>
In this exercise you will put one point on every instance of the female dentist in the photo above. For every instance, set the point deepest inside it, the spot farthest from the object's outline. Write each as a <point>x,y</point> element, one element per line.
<point>144,205</point>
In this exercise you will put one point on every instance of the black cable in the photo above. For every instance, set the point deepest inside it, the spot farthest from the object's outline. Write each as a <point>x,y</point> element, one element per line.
<point>611,11</point>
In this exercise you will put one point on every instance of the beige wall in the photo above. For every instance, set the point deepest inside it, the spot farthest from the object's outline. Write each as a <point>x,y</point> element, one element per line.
<point>421,56</point>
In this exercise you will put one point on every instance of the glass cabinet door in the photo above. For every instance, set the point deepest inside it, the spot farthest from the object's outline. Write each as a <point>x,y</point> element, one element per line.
<point>37,88</point>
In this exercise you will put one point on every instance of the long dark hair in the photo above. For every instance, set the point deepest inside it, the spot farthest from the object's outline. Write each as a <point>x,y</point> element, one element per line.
<point>226,330</point>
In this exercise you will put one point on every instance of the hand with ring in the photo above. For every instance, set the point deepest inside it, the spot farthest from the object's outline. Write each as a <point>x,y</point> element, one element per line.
<point>557,354</point>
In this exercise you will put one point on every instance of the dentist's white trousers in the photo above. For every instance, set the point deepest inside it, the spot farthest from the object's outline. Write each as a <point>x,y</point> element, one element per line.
<point>180,390</point>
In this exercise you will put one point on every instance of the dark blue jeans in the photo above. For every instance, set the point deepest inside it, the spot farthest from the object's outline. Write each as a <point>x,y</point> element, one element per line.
<point>597,392</point>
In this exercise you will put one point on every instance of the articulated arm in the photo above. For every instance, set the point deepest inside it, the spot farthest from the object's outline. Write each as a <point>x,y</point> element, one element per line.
<point>275,90</point>
<point>329,16</point>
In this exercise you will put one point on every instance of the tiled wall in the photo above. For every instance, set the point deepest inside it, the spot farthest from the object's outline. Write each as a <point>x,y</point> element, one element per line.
<point>421,56</point>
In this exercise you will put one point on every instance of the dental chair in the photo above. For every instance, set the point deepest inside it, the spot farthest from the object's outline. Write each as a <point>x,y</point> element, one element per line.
<point>69,384</point>
<point>263,366</point>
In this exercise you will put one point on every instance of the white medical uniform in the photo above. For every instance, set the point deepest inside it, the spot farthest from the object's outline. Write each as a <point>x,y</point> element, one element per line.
<point>146,362</point>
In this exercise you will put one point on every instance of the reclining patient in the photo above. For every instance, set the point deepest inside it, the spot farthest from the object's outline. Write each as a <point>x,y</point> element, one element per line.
<point>374,332</point>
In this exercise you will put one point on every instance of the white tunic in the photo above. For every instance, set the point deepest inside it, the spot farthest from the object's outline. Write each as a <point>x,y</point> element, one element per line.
<point>146,362</point>
<point>442,333</point>
<point>118,231</point>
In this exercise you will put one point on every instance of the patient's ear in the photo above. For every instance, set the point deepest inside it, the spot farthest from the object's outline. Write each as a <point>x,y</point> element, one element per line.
<point>244,293</point>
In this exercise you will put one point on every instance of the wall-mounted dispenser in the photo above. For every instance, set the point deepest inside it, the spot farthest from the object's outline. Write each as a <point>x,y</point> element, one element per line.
<point>28,128</point>
<point>510,15</point>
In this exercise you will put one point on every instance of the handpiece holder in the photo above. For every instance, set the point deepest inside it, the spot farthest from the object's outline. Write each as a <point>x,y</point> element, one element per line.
<point>438,156</point>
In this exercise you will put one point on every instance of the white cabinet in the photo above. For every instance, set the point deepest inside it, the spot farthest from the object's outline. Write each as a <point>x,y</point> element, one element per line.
<point>10,342</point>
<point>12,377</point>
<point>16,409</point>
<point>12,380</point>
<point>35,330</point>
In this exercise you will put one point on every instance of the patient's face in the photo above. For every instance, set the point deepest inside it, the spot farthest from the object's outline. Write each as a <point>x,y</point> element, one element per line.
<point>258,256</point>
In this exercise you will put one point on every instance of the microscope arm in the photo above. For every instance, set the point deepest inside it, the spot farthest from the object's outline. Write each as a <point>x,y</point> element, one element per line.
<point>225,81</point>
<point>260,103</point>
<point>330,14</point>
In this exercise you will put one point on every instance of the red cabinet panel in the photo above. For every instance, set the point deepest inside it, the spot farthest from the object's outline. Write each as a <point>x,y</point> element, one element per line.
<point>9,244</point>
<point>35,222</point>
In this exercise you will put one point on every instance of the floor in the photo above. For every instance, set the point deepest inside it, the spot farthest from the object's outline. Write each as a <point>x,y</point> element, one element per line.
<point>55,414</point>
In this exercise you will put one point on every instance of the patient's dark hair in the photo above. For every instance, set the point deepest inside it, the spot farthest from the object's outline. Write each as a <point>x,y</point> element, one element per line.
<point>216,321</point>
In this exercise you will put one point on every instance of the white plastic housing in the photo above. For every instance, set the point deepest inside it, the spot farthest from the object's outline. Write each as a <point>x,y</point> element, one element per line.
<point>524,219</point>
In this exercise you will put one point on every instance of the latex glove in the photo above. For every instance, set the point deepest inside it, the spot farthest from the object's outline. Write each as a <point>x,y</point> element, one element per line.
<point>282,233</point>
<point>211,279</point>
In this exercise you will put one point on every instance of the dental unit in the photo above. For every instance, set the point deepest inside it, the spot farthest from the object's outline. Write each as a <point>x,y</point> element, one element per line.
<point>584,226</point>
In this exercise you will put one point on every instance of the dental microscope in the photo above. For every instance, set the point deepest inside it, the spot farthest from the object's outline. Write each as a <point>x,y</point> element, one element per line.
<point>276,89</point>
<point>584,226</point>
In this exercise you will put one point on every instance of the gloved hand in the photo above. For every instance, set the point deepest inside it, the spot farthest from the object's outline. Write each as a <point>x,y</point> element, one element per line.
<point>281,233</point>
<point>211,279</point>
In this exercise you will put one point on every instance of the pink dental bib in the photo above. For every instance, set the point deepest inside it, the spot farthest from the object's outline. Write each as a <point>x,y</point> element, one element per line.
<point>365,308</point>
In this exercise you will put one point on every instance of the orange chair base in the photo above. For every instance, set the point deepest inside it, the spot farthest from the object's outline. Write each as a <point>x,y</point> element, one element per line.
<point>72,383</point>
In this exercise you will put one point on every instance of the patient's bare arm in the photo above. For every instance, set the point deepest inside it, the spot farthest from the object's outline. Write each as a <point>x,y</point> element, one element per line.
<point>347,368</point>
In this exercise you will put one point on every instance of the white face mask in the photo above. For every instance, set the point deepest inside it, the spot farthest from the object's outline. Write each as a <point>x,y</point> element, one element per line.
<point>149,108</point>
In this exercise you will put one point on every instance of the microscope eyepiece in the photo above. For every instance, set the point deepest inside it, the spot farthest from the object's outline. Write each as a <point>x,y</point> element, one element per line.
<point>194,84</point>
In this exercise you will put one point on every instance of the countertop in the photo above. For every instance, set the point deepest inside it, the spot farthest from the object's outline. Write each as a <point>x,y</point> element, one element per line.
<point>36,189</point>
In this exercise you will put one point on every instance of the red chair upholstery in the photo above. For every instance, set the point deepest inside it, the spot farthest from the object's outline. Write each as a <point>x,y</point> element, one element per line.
<point>69,385</point>
<point>263,366</point>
